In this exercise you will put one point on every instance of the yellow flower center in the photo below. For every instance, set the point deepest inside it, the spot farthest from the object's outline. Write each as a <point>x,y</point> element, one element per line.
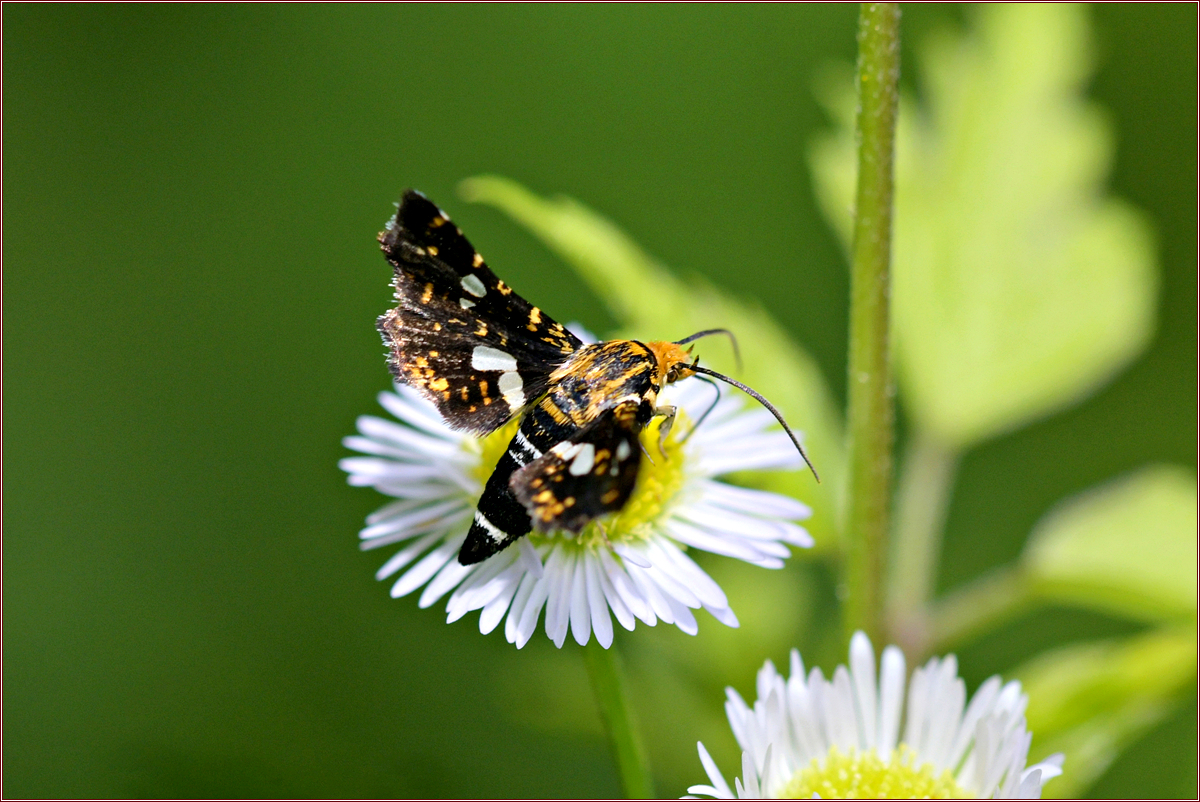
<point>659,479</point>
<point>864,775</point>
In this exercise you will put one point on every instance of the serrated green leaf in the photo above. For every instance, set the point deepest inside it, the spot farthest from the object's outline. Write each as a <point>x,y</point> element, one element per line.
<point>1018,286</point>
<point>1091,700</point>
<point>652,303</point>
<point>1128,547</point>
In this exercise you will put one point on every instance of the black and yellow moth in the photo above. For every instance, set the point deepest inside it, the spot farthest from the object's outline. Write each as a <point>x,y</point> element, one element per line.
<point>483,355</point>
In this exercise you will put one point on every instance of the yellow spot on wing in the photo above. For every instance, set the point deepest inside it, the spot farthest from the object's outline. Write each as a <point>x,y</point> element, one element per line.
<point>433,250</point>
<point>477,261</point>
<point>425,296</point>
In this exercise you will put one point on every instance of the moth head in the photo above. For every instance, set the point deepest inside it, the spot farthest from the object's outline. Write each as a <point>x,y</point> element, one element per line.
<point>674,361</point>
<point>674,364</point>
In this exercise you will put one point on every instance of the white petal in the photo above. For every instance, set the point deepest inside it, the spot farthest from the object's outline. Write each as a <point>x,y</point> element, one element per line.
<point>400,489</point>
<point>426,517</point>
<point>712,518</point>
<point>726,545</point>
<point>714,774</point>
<point>558,602</point>
<point>891,698</point>
<point>684,619</point>
<point>804,719</point>
<point>612,597</point>
<point>597,607</point>
<point>757,502</point>
<point>626,589</point>
<point>841,720</point>
<point>918,697</point>
<point>648,590</point>
<point>419,413</point>
<point>479,588</point>
<point>517,609</point>
<point>391,509</point>
<point>533,607</point>
<point>429,565</point>
<point>947,698</point>
<point>494,610</point>
<point>862,672</point>
<point>529,556</point>
<point>405,556</point>
<point>725,615</point>
<point>750,779</point>
<point>630,554</point>
<point>452,573</point>
<point>663,575</point>
<point>1051,767</point>
<point>1031,786</point>
<point>420,445</point>
<point>379,448</point>
<point>981,704</point>
<point>581,620</point>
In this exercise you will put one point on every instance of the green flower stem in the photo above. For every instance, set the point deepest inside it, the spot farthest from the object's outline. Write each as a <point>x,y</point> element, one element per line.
<point>922,499</point>
<point>870,418</point>
<point>604,669</point>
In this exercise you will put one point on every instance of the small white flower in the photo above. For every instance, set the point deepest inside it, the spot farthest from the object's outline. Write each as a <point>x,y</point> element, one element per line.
<point>841,739</point>
<point>634,566</point>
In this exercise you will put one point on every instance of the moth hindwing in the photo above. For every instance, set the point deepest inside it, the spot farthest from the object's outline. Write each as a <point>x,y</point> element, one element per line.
<point>589,475</point>
<point>459,334</point>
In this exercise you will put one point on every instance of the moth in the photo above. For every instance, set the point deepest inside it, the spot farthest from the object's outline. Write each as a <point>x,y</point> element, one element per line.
<point>483,354</point>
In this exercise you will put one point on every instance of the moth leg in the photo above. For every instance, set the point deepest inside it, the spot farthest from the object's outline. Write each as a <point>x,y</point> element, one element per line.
<point>664,428</point>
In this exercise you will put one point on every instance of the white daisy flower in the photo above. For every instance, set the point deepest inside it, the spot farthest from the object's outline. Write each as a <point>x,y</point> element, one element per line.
<point>633,563</point>
<point>841,740</point>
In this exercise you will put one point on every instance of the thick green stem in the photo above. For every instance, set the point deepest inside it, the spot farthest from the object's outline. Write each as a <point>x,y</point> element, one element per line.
<point>870,418</point>
<point>922,499</point>
<point>604,669</point>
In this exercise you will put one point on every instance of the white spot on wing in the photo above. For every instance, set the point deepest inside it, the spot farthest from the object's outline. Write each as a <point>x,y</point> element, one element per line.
<point>623,451</point>
<point>565,450</point>
<point>473,285</point>
<point>465,304</point>
<point>487,358</point>
<point>512,388</point>
<point>584,460</point>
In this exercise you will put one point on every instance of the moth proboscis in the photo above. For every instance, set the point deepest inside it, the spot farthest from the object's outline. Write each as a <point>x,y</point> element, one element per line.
<point>483,355</point>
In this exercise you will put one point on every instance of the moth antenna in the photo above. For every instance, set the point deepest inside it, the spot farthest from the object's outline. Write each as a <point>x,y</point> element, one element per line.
<point>711,407</point>
<point>765,403</point>
<point>737,354</point>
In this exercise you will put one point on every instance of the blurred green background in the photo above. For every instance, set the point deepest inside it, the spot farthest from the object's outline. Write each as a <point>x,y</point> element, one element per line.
<point>191,196</point>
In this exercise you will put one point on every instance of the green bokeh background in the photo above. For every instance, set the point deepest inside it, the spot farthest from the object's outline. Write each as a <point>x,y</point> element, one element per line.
<point>190,282</point>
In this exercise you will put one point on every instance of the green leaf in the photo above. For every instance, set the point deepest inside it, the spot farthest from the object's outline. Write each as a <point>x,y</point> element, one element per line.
<point>1091,700</point>
<point>1128,547</point>
<point>653,304</point>
<point>1018,285</point>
